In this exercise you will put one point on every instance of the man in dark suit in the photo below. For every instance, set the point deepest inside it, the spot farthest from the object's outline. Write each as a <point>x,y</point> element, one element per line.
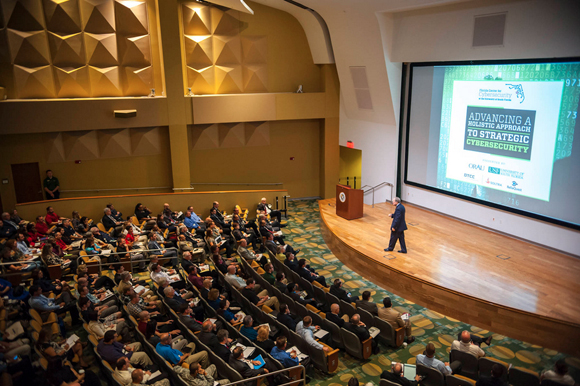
<point>184,313</point>
<point>296,295</point>
<point>337,290</point>
<point>238,363</point>
<point>109,221</point>
<point>286,318</point>
<point>495,379</point>
<point>219,221</point>
<point>398,227</point>
<point>397,376</point>
<point>310,274</point>
<point>207,335</point>
<point>280,276</point>
<point>291,262</point>
<point>335,316</point>
<point>222,350</point>
<point>360,330</point>
<point>366,305</point>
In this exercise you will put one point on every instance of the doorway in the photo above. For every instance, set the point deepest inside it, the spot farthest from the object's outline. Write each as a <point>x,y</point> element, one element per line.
<point>27,183</point>
<point>350,168</point>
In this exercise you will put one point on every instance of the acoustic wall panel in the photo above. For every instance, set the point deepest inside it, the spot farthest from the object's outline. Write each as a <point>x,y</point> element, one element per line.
<point>62,16</point>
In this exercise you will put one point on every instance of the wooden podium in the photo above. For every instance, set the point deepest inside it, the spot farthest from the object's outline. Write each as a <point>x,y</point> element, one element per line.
<point>349,202</point>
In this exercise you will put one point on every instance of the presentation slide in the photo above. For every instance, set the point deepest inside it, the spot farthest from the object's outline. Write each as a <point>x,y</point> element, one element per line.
<point>499,133</point>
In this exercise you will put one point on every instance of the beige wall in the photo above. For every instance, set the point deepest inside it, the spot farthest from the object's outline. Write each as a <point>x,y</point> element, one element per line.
<point>299,139</point>
<point>127,172</point>
<point>92,207</point>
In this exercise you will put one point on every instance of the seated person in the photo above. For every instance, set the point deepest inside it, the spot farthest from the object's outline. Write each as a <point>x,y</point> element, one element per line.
<point>240,236</point>
<point>185,315</point>
<point>158,250</point>
<point>248,330</point>
<point>39,279</point>
<point>279,353</point>
<point>291,262</point>
<point>296,294</point>
<point>214,298</point>
<point>357,327</point>
<point>207,335</point>
<point>396,376</point>
<point>496,375</point>
<point>109,221</point>
<point>137,378</point>
<point>282,282</point>
<point>240,364</point>
<point>174,301</point>
<point>225,312</point>
<point>98,328</point>
<point>137,305</point>
<point>212,240</point>
<point>466,345</point>
<point>223,349</point>
<point>183,293</point>
<point>60,373</point>
<point>232,278</point>
<point>269,275</point>
<point>263,339</point>
<point>127,282</point>
<point>44,305</point>
<point>340,293</point>
<point>111,350</point>
<point>286,318</point>
<point>428,359</point>
<point>153,330</point>
<point>366,304</point>
<point>260,299</point>
<point>218,261</point>
<point>310,274</point>
<point>106,308</point>
<point>157,275</point>
<point>335,316</point>
<point>48,347</point>
<point>306,330</point>
<point>250,256</point>
<point>197,376</point>
<point>124,371</point>
<point>20,262</point>
<point>195,240</point>
<point>176,357</point>
<point>393,317</point>
<point>559,374</point>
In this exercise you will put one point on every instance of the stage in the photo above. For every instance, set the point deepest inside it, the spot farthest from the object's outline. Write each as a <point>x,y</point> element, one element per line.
<point>480,277</point>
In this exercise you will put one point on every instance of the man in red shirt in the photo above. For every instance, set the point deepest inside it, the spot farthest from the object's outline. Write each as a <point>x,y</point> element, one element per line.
<point>42,227</point>
<point>52,218</point>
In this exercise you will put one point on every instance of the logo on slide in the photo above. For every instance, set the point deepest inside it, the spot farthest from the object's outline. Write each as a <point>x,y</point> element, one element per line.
<point>477,167</point>
<point>513,186</point>
<point>519,91</point>
<point>467,175</point>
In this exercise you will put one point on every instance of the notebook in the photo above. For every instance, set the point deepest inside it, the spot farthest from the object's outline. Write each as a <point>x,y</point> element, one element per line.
<point>373,331</point>
<point>320,333</point>
<point>300,355</point>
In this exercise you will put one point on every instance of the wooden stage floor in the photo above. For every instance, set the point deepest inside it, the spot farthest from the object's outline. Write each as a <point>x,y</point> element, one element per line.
<point>478,276</point>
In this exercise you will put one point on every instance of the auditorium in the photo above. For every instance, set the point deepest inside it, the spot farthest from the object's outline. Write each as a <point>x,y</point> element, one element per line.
<point>289,192</point>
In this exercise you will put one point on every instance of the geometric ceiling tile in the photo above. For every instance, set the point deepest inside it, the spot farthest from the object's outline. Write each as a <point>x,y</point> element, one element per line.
<point>66,50</point>
<point>62,16</point>
<point>198,51</point>
<point>138,81</point>
<point>255,78</point>
<point>228,79</point>
<point>254,49</point>
<point>196,19</point>
<point>98,16</point>
<point>204,136</point>
<point>201,81</point>
<point>81,145</point>
<point>146,141</point>
<point>114,143</point>
<point>131,17</point>
<point>135,51</point>
<point>105,82</point>
<point>227,50</point>
<point>101,49</point>
<point>34,82</point>
<point>72,82</point>
<point>29,49</point>
<point>257,133</point>
<point>55,149</point>
<point>225,23</point>
<point>231,135</point>
<point>23,15</point>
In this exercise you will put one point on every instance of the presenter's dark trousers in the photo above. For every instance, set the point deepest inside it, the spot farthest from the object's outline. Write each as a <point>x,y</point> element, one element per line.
<point>398,236</point>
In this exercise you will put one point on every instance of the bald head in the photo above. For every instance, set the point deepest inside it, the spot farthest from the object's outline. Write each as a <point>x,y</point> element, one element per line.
<point>335,309</point>
<point>137,376</point>
<point>398,368</point>
<point>465,336</point>
<point>165,338</point>
<point>232,269</point>
<point>244,243</point>
<point>207,283</point>
<point>207,326</point>
<point>143,315</point>
<point>355,319</point>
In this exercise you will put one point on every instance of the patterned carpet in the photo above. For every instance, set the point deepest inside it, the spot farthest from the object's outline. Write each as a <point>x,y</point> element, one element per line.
<point>303,231</point>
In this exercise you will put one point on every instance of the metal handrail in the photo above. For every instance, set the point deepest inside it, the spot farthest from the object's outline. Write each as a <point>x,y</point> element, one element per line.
<point>265,375</point>
<point>236,183</point>
<point>108,190</point>
<point>373,188</point>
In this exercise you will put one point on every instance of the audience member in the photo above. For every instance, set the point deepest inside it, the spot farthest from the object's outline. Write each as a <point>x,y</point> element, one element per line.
<point>428,359</point>
<point>559,374</point>
<point>495,378</point>
<point>393,317</point>
<point>366,304</point>
<point>337,290</point>
<point>176,357</point>
<point>396,376</point>
<point>306,330</point>
<point>466,345</point>
<point>51,186</point>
